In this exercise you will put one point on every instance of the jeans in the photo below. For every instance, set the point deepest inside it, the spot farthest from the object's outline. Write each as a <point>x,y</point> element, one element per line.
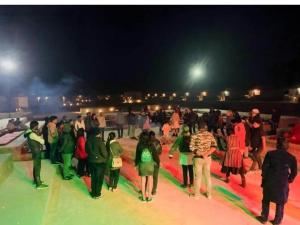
<point>202,166</point>
<point>114,178</point>
<point>67,159</point>
<point>256,157</point>
<point>187,170</point>
<point>97,177</point>
<point>120,130</point>
<point>82,167</point>
<point>131,131</point>
<point>155,178</point>
<point>36,156</point>
<point>53,152</point>
<point>102,129</point>
<point>265,211</point>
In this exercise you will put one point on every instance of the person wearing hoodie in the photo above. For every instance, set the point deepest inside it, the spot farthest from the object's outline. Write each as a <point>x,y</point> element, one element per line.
<point>67,150</point>
<point>97,157</point>
<point>35,143</point>
<point>182,143</point>
<point>115,161</point>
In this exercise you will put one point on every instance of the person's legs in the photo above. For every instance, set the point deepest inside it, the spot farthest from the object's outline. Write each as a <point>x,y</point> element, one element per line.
<point>279,213</point>
<point>67,158</point>
<point>243,178</point>
<point>116,178</point>
<point>87,167</point>
<point>130,127</point>
<point>227,175</point>
<point>206,174</point>
<point>53,148</point>
<point>253,156</point>
<point>93,178</point>
<point>122,130</point>
<point>119,130</point>
<point>265,210</point>
<point>36,168</point>
<point>194,128</point>
<point>155,179</point>
<point>112,176</point>
<point>184,173</point>
<point>101,173</point>
<point>96,170</point>
<point>198,162</point>
<point>80,167</point>
<point>143,187</point>
<point>149,187</point>
<point>191,174</point>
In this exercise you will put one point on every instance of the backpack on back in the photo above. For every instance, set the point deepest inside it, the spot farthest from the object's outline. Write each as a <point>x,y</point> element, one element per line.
<point>146,155</point>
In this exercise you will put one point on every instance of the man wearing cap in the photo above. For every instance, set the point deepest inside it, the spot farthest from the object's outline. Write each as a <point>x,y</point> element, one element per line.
<point>35,143</point>
<point>278,170</point>
<point>203,144</point>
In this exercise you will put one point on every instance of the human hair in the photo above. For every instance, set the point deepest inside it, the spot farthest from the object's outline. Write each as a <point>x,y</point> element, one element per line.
<point>282,142</point>
<point>202,125</point>
<point>79,116</point>
<point>230,130</point>
<point>151,134</point>
<point>52,118</point>
<point>34,124</point>
<point>80,132</point>
<point>144,139</point>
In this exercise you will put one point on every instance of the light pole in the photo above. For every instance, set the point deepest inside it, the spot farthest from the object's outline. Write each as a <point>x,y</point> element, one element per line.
<point>8,66</point>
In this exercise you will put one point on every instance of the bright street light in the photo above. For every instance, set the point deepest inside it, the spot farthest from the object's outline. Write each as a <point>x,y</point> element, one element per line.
<point>8,65</point>
<point>197,71</point>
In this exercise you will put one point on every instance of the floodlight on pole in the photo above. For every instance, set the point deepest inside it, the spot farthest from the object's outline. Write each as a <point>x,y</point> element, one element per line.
<point>196,71</point>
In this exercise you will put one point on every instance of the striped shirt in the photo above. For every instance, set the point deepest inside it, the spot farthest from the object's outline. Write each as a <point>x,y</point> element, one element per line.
<point>202,142</point>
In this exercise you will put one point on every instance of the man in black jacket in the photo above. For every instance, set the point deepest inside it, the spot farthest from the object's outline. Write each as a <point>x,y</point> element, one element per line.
<point>35,143</point>
<point>278,170</point>
<point>97,157</point>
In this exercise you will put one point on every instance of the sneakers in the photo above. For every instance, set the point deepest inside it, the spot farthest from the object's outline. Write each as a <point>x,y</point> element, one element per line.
<point>142,199</point>
<point>42,186</point>
<point>149,199</point>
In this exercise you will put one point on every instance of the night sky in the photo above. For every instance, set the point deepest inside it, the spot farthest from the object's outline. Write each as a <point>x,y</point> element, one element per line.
<point>111,49</point>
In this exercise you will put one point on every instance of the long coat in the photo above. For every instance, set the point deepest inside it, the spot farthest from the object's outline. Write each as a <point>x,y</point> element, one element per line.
<point>278,170</point>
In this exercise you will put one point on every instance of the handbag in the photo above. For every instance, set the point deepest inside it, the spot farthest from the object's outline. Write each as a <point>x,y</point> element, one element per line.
<point>116,162</point>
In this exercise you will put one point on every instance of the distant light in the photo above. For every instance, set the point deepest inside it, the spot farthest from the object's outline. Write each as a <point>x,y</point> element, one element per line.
<point>163,95</point>
<point>196,71</point>
<point>71,104</point>
<point>169,107</point>
<point>148,95</point>
<point>38,98</point>
<point>155,95</point>
<point>204,93</point>
<point>64,104</point>
<point>111,109</point>
<point>46,98</point>
<point>77,104</point>
<point>100,110</point>
<point>298,89</point>
<point>8,65</point>
<point>157,107</point>
<point>226,93</point>
<point>139,101</point>
<point>187,94</point>
<point>174,94</point>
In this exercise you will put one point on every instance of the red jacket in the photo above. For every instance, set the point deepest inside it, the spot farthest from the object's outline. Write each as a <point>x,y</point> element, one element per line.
<point>80,152</point>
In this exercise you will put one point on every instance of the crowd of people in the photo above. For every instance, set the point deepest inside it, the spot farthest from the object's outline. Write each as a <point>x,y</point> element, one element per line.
<point>236,139</point>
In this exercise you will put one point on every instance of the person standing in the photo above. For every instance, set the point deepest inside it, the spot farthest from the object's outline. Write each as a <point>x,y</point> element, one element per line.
<point>203,144</point>
<point>145,164</point>
<point>35,144</point>
<point>175,120</point>
<point>97,158</point>
<point>88,123</point>
<point>278,170</point>
<point>53,139</point>
<point>233,161</point>
<point>132,119</point>
<point>147,122</point>
<point>102,124</point>
<point>67,150</point>
<point>79,124</point>
<point>81,155</point>
<point>45,137</point>
<point>115,161</point>
<point>157,150</point>
<point>186,155</point>
<point>120,122</point>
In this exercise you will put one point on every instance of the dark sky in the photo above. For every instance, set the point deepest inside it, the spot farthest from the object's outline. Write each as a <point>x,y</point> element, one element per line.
<point>119,48</point>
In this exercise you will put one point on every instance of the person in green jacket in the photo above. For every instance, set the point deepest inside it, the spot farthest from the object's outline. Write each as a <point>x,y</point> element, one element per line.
<point>186,156</point>
<point>67,150</point>
<point>35,144</point>
<point>115,161</point>
<point>98,158</point>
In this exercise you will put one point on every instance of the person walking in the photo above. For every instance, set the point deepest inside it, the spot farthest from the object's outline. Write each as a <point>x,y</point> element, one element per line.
<point>67,150</point>
<point>175,120</point>
<point>182,143</point>
<point>278,171</point>
<point>145,164</point>
<point>53,139</point>
<point>203,144</point>
<point>157,150</point>
<point>102,124</point>
<point>115,161</point>
<point>97,158</point>
<point>233,161</point>
<point>81,155</point>
<point>35,144</point>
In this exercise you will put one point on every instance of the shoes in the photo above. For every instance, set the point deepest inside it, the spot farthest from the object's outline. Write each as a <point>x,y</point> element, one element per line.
<point>42,186</point>
<point>274,222</point>
<point>208,196</point>
<point>68,178</point>
<point>142,199</point>
<point>261,219</point>
<point>149,199</point>
<point>227,180</point>
<point>96,197</point>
